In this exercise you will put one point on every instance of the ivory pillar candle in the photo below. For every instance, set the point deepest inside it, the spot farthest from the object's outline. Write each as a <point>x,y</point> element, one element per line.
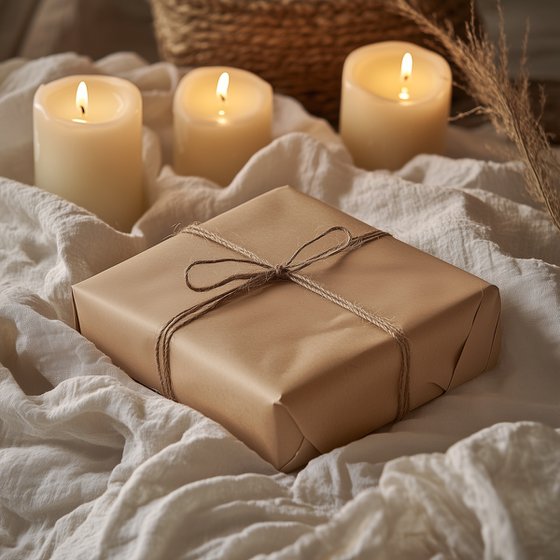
<point>219,126</point>
<point>394,106</point>
<point>88,145</point>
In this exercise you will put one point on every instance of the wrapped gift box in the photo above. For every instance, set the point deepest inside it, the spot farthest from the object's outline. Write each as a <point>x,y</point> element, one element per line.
<point>288,371</point>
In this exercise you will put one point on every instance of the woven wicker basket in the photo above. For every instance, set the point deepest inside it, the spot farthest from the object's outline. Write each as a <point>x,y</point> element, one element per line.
<point>299,46</point>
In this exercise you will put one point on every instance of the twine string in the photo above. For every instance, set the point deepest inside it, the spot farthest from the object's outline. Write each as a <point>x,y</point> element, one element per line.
<point>265,274</point>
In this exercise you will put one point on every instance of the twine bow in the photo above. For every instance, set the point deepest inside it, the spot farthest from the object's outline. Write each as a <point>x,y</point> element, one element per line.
<point>265,274</point>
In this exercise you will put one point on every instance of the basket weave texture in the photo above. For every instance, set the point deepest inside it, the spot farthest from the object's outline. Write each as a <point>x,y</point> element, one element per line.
<point>299,46</point>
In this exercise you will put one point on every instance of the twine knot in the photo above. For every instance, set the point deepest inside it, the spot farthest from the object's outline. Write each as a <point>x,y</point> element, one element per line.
<point>281,272</point>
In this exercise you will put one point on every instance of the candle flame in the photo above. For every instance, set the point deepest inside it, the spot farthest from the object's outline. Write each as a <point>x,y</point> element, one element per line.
<point>82,98</point>
<point>223,85</point>
<point>406,72</point>
<point>406,66</point>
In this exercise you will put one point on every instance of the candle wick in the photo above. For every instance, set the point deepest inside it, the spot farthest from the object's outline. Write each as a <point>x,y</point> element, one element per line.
<point>222,97</point>
<point>83,109</point>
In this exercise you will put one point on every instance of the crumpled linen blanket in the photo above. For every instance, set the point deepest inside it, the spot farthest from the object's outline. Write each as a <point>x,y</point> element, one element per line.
<point>92,465</point>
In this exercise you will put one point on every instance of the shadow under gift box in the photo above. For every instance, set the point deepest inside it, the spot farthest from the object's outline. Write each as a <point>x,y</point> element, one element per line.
<point>285,370</point>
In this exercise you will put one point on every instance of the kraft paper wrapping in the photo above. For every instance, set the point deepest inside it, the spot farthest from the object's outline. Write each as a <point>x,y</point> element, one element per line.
<point>292,374</point>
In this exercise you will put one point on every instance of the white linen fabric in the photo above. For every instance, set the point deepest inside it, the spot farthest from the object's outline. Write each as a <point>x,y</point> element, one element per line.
<point>92,465</point>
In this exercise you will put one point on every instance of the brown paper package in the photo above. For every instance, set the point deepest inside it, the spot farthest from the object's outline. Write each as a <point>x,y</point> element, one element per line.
<point>286,371</point>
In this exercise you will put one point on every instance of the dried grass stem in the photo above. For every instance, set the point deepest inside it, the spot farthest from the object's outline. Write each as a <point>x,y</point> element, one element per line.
<point>507,104</point>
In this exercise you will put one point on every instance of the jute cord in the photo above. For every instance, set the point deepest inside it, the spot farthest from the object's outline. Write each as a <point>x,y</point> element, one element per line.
<point>265,274</point>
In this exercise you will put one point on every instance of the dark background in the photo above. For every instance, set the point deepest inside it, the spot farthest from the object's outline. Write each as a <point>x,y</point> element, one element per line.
<point>35,28</point>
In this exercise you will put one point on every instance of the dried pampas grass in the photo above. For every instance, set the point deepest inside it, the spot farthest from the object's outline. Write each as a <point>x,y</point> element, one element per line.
<point>505,102</point>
